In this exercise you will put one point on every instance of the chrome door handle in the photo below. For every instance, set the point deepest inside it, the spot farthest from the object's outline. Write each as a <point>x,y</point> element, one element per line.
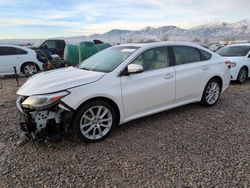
<point>169,76</point>
<point>205,68</point>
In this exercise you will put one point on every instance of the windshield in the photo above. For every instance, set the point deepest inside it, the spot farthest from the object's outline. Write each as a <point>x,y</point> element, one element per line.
<point>108,59</point>
<point>234,51</point>
<point>38,43</point>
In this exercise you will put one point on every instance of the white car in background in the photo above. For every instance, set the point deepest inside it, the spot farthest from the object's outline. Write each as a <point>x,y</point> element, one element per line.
<point>239,55</point>
<point>120,84</point>
<point>24,59</point>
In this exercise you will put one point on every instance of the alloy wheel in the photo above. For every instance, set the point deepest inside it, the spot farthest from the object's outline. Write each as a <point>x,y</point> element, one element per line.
<point>30,69</point>
<point>96,122</point>
<point>242,75</point>
<point>212,93</point>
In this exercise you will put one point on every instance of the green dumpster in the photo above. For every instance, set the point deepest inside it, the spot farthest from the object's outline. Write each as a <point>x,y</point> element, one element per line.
<point>87,49</point>
<point>102,46</point>
<point>71,54</point>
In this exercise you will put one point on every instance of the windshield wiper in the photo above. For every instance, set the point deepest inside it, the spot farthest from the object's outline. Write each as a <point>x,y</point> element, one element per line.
<point>86,69</point>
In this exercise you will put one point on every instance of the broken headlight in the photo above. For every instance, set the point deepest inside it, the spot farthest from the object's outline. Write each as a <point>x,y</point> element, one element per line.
<point>43,101</point>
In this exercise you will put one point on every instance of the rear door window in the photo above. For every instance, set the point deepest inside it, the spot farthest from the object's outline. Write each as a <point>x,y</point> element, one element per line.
<point>234,51</point>
<point>60,44</point>
<point>186,54</point>
<point>6,51</point>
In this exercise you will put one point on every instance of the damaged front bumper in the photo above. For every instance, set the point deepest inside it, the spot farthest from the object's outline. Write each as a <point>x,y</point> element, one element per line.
<point>45,124</point>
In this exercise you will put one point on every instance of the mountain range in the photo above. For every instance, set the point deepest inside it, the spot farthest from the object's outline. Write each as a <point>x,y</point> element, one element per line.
<point>207,33</point>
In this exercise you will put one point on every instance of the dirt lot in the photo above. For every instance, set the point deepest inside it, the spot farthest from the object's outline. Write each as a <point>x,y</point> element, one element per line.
<point>191,146</point>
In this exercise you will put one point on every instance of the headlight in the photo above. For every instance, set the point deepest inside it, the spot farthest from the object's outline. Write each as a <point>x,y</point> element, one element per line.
<point>233,64</point>
<point>42,101</point>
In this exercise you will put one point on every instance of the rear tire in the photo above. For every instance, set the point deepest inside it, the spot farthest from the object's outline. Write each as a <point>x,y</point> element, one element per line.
<point>29,69</point>
<point>94,121</point>
<point>243,75</point>
<point>211,93</point>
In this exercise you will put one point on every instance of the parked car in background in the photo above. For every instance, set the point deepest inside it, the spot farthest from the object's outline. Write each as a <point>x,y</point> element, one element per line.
<point>215,47</point>
<point>120,84</point>
<point>24,59</point>
<point>239,55</point>
<point>55,46</point>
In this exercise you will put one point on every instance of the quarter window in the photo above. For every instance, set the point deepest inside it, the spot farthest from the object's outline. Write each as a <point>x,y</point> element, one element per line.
<point>153,59</point>
<point>185,54</point>
<point>8,51</point>
<point>21,52</point>
<point>205,55</point>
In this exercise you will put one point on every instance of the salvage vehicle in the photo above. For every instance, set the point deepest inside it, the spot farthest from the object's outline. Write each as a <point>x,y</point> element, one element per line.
<point>24,59</point>
<point>239,55</point>
<point>55,46</point>
<point>117,85</point>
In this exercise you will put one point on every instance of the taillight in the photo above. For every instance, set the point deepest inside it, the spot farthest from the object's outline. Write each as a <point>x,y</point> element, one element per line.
<point>229,64</point>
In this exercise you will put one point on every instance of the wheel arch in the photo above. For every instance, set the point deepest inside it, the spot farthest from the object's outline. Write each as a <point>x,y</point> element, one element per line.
<point>106,99</point>
<point>219,79</point>
<point>214,77</point>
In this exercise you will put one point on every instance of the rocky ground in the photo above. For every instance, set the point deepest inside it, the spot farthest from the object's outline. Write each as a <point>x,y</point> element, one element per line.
<point>191,146</point>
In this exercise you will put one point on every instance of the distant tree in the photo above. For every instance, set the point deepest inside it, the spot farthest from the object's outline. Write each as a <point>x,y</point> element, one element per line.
<point>206,41</point>
<point>196,40</point>
<point>164,38</point>
<point>130,40</point>
<point>229,39</point>
<point>147,40</point>
<point>141,41</point>
<point>150,40</point>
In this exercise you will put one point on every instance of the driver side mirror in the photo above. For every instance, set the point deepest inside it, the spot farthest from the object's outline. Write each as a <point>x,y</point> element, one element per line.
<point>134,69</point>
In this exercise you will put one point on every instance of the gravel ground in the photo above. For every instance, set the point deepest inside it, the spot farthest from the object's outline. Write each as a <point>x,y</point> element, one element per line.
<point>191,146</point>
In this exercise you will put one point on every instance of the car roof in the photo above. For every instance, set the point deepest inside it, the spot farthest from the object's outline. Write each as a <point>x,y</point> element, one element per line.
<point>155,44</point>
<point>15,46</point>
<point>244,44</point>
<point>167,43</point>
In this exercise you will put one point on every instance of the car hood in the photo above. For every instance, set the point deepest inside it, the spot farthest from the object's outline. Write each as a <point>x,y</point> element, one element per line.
<point>58,80</point>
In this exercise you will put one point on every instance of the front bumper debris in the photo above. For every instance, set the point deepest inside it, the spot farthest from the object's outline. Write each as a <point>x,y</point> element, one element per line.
<point>47,124</point>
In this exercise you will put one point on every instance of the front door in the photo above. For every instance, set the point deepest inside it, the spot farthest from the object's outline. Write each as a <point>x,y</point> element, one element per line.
<point>152,89</point>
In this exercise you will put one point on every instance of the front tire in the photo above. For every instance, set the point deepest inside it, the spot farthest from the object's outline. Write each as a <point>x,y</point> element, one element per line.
<point>94,121</point>
<point>243,75</point>
<point>211,93</point>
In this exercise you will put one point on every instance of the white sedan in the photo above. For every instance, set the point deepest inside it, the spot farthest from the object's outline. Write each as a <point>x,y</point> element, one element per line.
<point>239,55</point>
<point>120,84</point>
<point>24,59</point>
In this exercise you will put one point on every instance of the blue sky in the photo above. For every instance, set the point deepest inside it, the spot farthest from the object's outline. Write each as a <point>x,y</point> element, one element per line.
<point>47,18</point>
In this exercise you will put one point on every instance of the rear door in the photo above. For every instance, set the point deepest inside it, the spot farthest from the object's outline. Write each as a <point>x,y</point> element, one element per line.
<point>192,72</point>
<point>9,58</point>
<point>152,89</point>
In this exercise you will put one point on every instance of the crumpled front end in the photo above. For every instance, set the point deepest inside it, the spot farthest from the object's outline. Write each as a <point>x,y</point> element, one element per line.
<point>49,123</point>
